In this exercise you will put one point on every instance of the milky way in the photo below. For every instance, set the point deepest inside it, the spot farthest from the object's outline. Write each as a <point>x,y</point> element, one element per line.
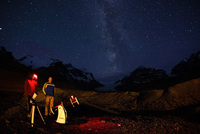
<point>110,38</point>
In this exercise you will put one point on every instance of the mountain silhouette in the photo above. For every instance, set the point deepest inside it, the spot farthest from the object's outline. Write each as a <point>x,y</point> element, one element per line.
<point>59,71</point>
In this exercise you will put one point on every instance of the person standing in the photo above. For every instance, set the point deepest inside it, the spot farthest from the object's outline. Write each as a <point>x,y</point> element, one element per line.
<point>29,90</point>
<point>48,90</point>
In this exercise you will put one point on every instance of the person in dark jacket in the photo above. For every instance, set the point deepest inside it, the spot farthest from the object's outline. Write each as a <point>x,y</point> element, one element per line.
<point>48,90</point>
<point>29,90</point>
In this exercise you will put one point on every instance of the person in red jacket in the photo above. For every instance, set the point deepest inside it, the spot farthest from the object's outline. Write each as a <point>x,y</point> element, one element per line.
<point>29,89</point>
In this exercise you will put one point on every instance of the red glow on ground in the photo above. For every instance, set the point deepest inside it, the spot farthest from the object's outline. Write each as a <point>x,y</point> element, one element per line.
<point>98,124</point>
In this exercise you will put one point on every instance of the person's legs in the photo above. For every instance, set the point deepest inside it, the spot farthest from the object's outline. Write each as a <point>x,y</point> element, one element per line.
<point>29,106</point>
<point>47,105</point>
<point>51,104</point>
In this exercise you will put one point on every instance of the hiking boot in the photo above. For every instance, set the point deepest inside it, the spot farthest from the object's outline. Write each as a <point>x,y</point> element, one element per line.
<point>50,115</point>
<point>45,116</point>
<point>28,115</point>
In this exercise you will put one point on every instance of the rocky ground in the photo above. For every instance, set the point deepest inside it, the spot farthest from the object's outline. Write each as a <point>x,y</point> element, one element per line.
<point>175,110</point>
<point>92,118</point>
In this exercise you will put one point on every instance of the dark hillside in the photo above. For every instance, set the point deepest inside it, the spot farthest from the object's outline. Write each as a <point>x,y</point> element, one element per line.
<point>61,73</point>
<point>188,68</point>
<point>8,62</point>
<point>143,79</point>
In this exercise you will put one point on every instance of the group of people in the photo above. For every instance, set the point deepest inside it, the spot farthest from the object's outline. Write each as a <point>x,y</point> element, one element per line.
<point>48,90</point>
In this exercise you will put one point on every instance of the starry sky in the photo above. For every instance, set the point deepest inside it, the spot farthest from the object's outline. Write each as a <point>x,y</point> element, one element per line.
<point>109,38</point>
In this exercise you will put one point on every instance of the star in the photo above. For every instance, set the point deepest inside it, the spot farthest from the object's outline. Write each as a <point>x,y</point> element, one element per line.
<point>107,37</point>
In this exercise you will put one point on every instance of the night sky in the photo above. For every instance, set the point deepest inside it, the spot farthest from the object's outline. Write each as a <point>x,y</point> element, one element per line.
<point>109,38</point>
